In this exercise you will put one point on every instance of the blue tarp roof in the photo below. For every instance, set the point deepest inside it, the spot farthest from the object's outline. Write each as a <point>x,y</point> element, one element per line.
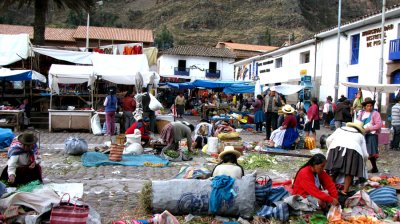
<point>20,75</point>
<point>211,84</point>
<point>239,88</point>
<point>183,85</point>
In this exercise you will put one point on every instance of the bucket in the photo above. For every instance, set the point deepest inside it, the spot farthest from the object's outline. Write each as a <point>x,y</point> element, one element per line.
<point>212,143</point>
<point>116,152</point>
<point>120,139</point>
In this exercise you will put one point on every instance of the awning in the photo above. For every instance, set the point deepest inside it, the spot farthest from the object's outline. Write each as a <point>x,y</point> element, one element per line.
<point>239,88</point>
<point>211,84</point>
<point>120,69</point>
<point>380,88</point>
<point>286,89</point>
<point>20,75</point>
<point>69,74</point>
<point>77,57</point>
<point>13,48</point>
<point>184,85</point>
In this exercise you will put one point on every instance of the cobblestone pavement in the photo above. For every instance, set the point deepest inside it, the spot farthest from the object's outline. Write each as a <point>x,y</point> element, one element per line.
<point>113,190</point>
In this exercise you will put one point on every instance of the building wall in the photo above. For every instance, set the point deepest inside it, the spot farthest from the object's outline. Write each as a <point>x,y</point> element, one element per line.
<point>167,63</point>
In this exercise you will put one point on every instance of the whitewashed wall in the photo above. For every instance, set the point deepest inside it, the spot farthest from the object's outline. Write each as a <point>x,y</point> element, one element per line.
<point>167,63</point>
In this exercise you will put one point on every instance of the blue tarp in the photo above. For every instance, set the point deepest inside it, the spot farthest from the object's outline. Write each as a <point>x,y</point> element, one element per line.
<point>184,85</point>
<point>211,84</point>
<point>6,137</point>
<point>239,88</point>
<point>90,159</point>
<point>20,75</point>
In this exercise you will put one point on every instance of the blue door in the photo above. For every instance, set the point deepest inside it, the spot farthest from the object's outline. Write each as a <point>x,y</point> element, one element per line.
<point>395,80</point>
<point>351,91</point>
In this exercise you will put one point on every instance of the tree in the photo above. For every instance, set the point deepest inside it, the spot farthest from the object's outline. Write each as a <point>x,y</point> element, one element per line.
<point>164,39</point>
<point>41,8</point>
<point>267,37</point>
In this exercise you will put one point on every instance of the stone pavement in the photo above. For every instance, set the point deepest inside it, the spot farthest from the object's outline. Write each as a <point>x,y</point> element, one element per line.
<point>113,190</point>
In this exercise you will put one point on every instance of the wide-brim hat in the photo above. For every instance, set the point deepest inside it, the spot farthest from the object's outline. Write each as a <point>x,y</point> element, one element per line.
<point>27,138</point>
<point>359,125</point>
<point>287,109</point>
<point>229,149</point>
<point>368,100</point>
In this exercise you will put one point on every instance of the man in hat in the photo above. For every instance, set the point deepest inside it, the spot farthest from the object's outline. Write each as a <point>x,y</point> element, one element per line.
<point>272,103</point>
<point>396,124</point>
<point>142,125</point>
<point>23,161</point>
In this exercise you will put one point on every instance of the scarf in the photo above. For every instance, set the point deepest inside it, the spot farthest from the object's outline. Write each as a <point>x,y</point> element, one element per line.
<point>17,148</point>
<point>221,190</point>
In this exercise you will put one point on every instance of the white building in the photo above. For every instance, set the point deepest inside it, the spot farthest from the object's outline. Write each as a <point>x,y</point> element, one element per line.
<point>196,62</point>
<point>358,58</point>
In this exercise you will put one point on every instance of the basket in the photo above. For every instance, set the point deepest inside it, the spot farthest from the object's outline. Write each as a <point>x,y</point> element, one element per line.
<point>116,152</point>
<point>161,124</point>
<point>120,139</point>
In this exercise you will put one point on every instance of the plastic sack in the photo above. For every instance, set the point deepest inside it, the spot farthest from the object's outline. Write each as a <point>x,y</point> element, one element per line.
<point>134,138</point>
<point>75,146</point>
<point>96,126</point>
<point>164,218</point>
<point>133,149</point>
<point>154,104</point>
<point>335,214</point>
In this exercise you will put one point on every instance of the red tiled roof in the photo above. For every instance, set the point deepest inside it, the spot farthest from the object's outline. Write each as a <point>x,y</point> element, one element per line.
<point>200,51</point>
<point>53,34</point>
<point>111,33</point>
<point>247,47</point>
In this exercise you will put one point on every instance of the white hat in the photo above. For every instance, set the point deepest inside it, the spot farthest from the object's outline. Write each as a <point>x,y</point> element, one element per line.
<point>229,149</point>
<point>359,125</point>
<point>272,88</point>
<point>287,109</point>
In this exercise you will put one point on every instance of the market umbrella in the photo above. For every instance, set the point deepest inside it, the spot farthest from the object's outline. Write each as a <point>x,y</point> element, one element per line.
<point>375,88</point>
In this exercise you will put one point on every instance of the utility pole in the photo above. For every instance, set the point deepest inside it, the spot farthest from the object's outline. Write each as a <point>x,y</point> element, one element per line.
<point>381,57</point>
<point>337,52</point>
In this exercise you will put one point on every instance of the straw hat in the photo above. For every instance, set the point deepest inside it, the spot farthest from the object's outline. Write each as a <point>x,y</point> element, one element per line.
<point>287,109</point>
<point>368,100</point>
<point>359,125</point>
<point>272,88</point>
<point>27,138</point>
<point>229,149</point>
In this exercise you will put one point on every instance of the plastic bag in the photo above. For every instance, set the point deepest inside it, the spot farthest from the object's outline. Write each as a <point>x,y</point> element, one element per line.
<point>335,214</point>
<point>133,149</point>
<point>75,146</point>
<point>154,104</point>
<point>95,122</point>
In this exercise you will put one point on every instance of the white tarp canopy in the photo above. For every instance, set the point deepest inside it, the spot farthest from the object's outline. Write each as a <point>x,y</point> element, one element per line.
<point>69,74</point>
<point>120,69</point>
<point>13,48</point>
<point>20,75</point>
<point>77,57</point>
<point>375,88</point>
<point>286,89</point>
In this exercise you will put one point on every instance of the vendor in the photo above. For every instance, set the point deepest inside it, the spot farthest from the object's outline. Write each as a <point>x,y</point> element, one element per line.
<point>142,125</point>
<point>111,105</point>
<point>128,107</point>
<point>347,153</point>
<point>23,161</point>
<point>286,135</point>
<point>229,165</point>
<point>173,132</point>
<point>26,107</point>
<point>202,131</point>
<point>311,179</point>
<point>223,127</point>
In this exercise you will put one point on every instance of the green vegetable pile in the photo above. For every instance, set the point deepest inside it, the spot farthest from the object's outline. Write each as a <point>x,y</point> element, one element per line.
<point>172,153</point>
<point>254,161</point>
<point>383,182</point>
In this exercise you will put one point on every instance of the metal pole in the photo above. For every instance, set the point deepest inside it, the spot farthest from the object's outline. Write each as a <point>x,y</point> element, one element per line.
<point>381,57</point>
<point>87,32</point>
<point>337,52</point>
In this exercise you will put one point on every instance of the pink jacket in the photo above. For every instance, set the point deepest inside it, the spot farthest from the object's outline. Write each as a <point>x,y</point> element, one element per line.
<point>376,121</point>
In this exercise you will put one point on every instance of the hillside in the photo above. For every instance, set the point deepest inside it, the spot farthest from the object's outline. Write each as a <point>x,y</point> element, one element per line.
<point>205,22</point>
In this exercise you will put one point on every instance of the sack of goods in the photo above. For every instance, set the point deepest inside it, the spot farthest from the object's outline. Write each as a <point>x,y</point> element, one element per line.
<point>75,146</point>
<point>309,143</point>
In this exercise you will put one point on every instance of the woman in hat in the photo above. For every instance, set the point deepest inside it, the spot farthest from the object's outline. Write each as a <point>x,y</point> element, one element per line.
<point>372,125</point>
<point>23,161</point>
<point>347,153</point>
<point>110,107</point>
<point>229,165</point>
<point>173,132</point>
<point>311,178</point>
<point>286,135</point>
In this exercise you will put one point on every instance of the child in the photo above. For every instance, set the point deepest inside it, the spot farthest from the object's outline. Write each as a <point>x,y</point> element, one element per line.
<point>300,127</point>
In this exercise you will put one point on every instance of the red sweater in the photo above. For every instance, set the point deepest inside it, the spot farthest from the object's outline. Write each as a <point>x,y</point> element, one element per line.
<point>141,127</point>
<point>305,185</point>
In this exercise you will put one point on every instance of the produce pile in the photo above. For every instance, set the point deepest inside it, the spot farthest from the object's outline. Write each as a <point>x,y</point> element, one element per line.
<point>385,180</point>
<point>255,160</point>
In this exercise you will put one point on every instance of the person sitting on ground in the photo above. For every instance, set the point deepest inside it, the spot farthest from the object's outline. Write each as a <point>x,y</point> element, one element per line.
<point>223,127</point>
<point>311,178</point>
<point>23,161</point>
<point>174,132</point>
<point>286,135</point>
<point>203,130</point>
<point>229,165</point>
<point>347,153</point>
<point>142,125</point>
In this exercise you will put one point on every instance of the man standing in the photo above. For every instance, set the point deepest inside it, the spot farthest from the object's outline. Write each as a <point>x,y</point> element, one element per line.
<point>147,112</point>
<point>342,114</point>
<point>271,107</point>
<point>396,124</point>
<point>128,107</point>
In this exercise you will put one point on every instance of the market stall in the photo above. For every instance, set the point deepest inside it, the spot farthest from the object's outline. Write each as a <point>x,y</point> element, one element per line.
<point>69,118</point>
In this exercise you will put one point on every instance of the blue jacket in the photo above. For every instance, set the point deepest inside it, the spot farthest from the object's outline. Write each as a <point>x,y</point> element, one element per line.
<point>111,103</point>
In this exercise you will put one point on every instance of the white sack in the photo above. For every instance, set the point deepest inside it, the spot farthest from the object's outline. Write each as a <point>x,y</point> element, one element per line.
<point>154,103</point>
<point>133,149</point>
<point>96,126</point>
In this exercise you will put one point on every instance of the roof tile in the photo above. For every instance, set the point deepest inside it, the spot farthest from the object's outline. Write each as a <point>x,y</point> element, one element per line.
<point>111,33</point>
<point>53,34</point>
<point>247,47</point>
<point>200,51</point>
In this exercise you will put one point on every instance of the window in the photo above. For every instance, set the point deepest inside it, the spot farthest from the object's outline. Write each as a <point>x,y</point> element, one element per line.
<point>278,62</point>
<point>182,65</point>
<point>305,57</point>
<point>212,66</point>
<point>355,48</point>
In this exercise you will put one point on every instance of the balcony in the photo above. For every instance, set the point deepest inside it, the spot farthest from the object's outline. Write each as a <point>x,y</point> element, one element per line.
<point>213,74</point>
<point>394,50</point>
<point>181,71</point>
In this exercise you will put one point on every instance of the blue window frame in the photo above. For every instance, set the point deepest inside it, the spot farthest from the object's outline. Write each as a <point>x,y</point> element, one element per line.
<point>351,91</point>
<point>355,48</point>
